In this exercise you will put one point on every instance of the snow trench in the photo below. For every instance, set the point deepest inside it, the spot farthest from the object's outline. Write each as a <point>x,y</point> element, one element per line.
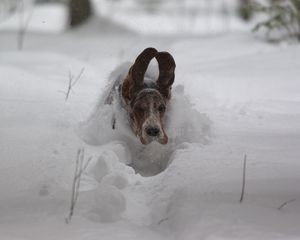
<point>123,158</point>
<point>184,124</point>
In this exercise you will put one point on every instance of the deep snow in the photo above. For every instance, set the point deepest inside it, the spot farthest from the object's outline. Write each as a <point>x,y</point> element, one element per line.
<point>241,96</point>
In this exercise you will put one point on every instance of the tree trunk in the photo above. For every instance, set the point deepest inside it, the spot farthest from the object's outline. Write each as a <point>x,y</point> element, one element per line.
<point>79,12</point>
<point>244,10</point>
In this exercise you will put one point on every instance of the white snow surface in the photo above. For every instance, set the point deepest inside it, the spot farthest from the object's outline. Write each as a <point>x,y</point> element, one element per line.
<point>233,95</point>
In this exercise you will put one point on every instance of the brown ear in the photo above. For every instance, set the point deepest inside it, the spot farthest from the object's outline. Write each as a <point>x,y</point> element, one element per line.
<point>166,76</point>
<point>135,78</point>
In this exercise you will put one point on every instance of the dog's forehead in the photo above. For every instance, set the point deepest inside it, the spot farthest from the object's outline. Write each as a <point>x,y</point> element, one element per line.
<point>149,95</point>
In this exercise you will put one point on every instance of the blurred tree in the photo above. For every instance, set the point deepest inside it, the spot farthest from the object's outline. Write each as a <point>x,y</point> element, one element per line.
<point>50,1</point>
<point>244,9</point>
<point>79,12</point>
<point>150,6</point>
<point>7,8</point>
<point>282,16</point>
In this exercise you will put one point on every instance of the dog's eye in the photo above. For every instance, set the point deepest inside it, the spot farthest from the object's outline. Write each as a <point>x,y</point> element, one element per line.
<point>161,108</point>
<point>140,109</point>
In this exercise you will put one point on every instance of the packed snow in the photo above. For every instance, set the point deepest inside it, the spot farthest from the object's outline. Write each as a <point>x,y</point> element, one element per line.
<point>234,95</point>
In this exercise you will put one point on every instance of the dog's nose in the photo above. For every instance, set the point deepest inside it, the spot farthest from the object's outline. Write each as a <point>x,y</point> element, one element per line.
<point>152,131</point>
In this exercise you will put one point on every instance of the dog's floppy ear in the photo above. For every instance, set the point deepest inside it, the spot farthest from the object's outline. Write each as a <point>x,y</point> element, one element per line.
<point>135,78</point>
<point>166,76</point>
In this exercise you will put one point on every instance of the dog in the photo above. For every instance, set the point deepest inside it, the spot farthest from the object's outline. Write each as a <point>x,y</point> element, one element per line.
<point>145,102</point>
<point>134,114</point>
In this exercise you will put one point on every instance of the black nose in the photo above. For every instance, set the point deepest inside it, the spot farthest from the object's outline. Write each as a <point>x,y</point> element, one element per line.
<point>152,131</point>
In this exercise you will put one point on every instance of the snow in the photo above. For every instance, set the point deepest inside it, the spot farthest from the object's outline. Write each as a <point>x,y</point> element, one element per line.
<point>233,95</point>
<point>195,16</point>
<point>50,18</point>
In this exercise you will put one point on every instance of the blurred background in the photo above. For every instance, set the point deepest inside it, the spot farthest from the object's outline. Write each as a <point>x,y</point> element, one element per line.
<point>142,16</point>
<point>163,17</point>
<point>278,19</point>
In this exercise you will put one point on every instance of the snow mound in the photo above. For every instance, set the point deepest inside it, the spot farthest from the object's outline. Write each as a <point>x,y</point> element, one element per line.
<point>108,204</point>
<point>102,184</point>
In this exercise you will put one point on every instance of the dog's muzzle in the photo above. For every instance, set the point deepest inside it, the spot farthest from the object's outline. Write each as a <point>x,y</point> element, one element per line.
<point>153,131</point>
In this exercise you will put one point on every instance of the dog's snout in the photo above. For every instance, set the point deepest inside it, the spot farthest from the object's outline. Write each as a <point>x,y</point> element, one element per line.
<point>152,131</point>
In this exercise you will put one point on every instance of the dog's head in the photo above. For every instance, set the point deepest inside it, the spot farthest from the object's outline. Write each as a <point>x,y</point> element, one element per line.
<point>146,105</point>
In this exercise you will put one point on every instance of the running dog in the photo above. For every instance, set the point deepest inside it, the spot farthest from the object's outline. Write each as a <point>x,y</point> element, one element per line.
<point>146,101</point>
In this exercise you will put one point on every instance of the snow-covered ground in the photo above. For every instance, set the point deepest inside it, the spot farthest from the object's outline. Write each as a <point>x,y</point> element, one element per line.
<point>241,96</point>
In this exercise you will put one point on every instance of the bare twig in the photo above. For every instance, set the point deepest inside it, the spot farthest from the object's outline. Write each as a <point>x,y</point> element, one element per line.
<point>78,76</point>
<point>244,179</point>
<point>68,219</point>
<point>23,24</point>
<point>79,169</point>
<point>78,178</point>
<point>285,203</point>
<point>85,166</point>
<point>163,220</point>
<point>72,83</point>
<point>73,194</point>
